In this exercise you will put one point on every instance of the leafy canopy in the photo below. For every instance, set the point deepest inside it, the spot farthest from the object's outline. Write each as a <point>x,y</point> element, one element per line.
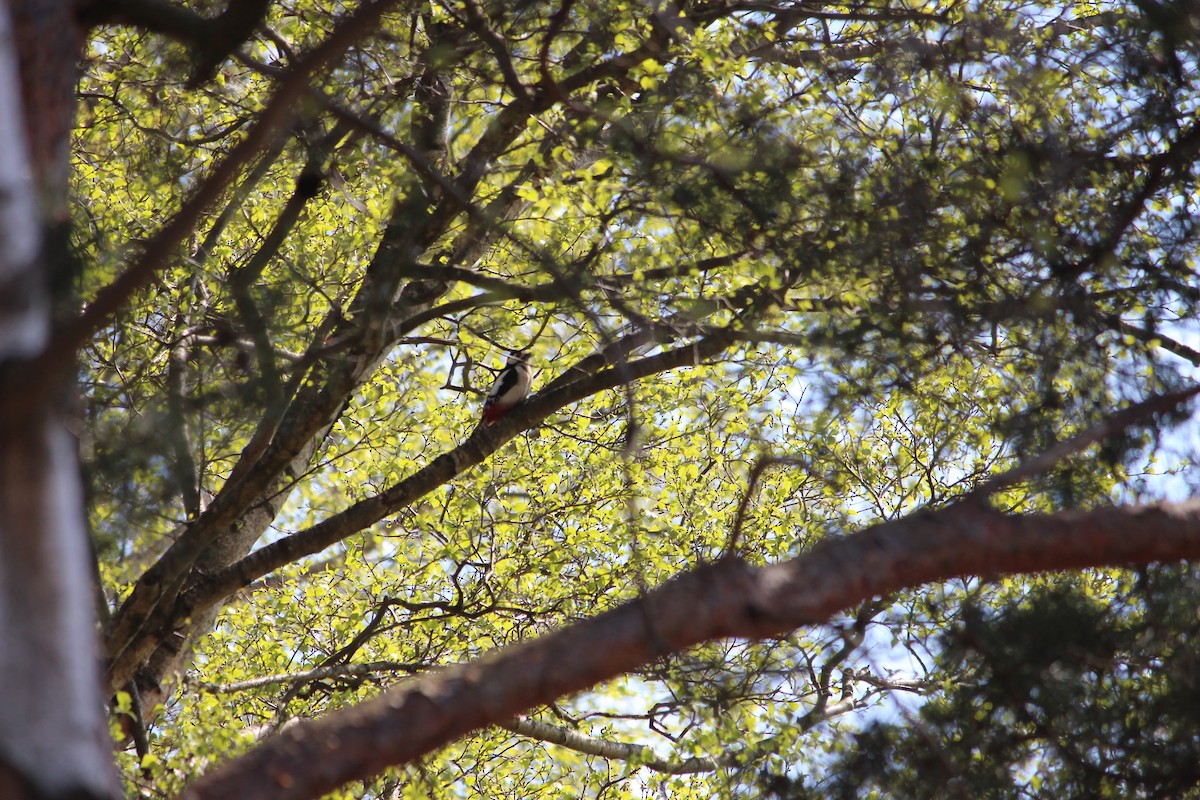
<point>905,244</point>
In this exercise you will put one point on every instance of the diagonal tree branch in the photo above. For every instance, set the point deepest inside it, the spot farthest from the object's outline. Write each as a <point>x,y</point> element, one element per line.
<point>353,671</point>
<point>1157,338</point>
<point>369,333</point>
<point>1109,426</point>
<point>715,601</point>
<point>238,495</point>
<point>482,443</point>
<point>278,111</point>
<point>155,608</point>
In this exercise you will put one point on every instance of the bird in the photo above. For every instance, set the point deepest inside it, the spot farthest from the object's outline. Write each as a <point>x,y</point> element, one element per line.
<point>510,388</point>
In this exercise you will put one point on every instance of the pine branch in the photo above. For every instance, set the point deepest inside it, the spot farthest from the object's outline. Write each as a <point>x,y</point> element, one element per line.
<point>716,601</point>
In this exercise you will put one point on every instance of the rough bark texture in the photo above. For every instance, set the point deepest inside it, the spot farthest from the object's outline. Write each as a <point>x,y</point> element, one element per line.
<point>52,725</point>
<point>53,735</point>
<point>726,599</point>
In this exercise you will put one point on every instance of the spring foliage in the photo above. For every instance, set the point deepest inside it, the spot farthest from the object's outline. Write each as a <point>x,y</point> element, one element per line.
<point>908,244</point>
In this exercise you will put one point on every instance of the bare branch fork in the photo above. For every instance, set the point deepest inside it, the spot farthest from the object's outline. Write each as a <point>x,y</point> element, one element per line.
<point>591,745</point>
<point>715,601</point>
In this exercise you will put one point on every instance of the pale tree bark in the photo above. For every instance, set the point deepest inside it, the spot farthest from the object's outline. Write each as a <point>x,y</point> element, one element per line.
<point>54,740</point>
<point>727,599</point>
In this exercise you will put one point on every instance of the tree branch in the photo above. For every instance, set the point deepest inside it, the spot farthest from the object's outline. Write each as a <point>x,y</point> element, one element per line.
<point>367,670</point>
<point>646,756</point>
<point>213,38</point>
<point>482,443</point>
<point>499,48</point>
<point>370,329</point>
<point>237,495</point>
<point>112,298</point>
<point>621,751</point>
<point>1152,337</point>
<point>1109,426</point>
<point>715,601</point>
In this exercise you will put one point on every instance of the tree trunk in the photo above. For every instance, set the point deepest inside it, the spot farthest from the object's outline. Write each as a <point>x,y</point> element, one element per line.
<point>54,741</point>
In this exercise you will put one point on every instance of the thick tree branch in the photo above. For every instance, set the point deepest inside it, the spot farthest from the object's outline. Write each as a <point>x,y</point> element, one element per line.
<point>482,443</point>
<point>213,38</point>
<point>369,331</point>
<point>145,618</point>
<point>159,16</point>
<point>238,495</point>
<point>715,601</point>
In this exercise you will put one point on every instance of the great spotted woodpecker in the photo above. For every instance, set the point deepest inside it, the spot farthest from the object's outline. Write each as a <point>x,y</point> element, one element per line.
<point>510,388</point>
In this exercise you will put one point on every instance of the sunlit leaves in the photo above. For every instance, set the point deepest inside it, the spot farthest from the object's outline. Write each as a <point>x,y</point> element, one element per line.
<point>920,226</point>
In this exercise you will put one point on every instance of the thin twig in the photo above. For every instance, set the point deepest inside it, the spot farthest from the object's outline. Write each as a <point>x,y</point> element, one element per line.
<point>158,251</point>
<point>365,670</point>
<point>756,472</point>
<point>1106,428</point>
